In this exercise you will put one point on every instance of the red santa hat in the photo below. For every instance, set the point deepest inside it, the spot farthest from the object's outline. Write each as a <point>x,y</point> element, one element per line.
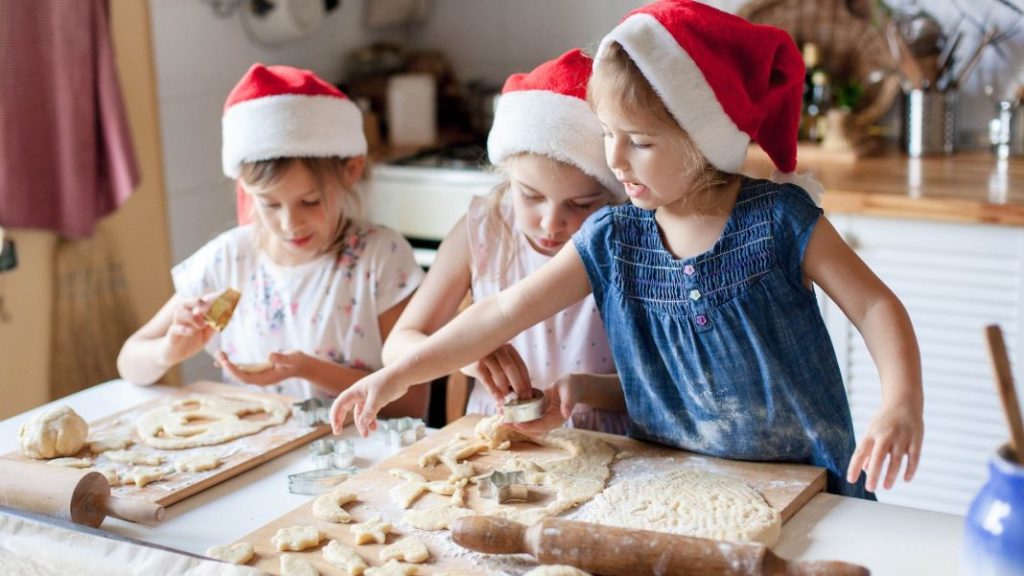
<point>725,81</point>
<point>281,112</point>
<point>546,112</point>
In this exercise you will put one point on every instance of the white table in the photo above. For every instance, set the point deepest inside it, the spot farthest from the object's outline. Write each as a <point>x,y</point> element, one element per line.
<point>889,540</point>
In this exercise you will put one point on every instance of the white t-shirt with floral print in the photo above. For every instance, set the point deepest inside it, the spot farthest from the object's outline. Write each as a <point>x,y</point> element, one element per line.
<point>327,308</point>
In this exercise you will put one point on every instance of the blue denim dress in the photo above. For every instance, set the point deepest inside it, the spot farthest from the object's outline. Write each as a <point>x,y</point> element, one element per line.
<point>725,353</point>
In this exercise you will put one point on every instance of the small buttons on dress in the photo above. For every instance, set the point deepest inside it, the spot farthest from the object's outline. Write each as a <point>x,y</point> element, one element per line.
<point>688,270</point>
<point>701,320</point>
<point>694,294</point>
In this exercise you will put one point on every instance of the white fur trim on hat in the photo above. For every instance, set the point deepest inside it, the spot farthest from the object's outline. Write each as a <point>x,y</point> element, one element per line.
<point>683,88</point>
<point>555,125</point>
<point>290,126</point>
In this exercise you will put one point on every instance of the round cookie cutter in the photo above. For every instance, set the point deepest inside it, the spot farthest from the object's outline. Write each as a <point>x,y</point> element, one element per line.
<point>518,411</point>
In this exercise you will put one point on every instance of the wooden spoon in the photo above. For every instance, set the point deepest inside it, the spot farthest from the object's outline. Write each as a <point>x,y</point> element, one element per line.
<point>1007,391</point>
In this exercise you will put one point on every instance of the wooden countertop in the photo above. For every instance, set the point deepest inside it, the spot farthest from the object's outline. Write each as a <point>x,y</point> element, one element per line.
<point>971,187</point>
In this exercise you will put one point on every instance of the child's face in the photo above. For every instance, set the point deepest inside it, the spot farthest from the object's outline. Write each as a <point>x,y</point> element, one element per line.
<point>550,200</point>
<point>291,209</point>
<point>646,155</point>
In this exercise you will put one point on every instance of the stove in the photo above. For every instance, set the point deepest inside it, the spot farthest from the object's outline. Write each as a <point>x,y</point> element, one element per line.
<point>422,196</point>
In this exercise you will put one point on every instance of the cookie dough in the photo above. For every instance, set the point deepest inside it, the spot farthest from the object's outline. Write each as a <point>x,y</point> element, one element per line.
<point>71,462</point>
<point>134,457</point>
<point>59,431</point>
<point>556,570</point>
<point>373,530</point>
<point>237,553</point>
<point>296,538</point>
<point>205,420</point>
<point>293,565</point>
<point>407,550</point>
<point>393,568</point>
<point>197,463</point>
<point>344,558</point>
<point>328,507</point>
<point>692,503</point>
<point>101,445</point>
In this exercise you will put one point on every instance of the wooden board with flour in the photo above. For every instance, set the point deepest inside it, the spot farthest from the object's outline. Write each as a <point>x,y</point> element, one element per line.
<point>784,487</point>
<point>183,468</point>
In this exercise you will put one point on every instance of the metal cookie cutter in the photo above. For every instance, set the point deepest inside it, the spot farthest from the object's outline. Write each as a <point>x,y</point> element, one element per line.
<point>401,431</point>
<point>311,412</point>
<point>524,410</point>
<point>315,482</point>
<point>504,486</point>
<point>332,453</point>
<point>221,309</point>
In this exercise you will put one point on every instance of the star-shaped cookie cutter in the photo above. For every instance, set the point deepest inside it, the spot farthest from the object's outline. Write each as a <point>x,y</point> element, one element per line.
<point>504,486</point>
<point>401,431</point>
<point>311,412</point>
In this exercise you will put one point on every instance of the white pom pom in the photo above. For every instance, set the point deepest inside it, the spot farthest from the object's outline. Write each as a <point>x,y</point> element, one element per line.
<point>805,180</point>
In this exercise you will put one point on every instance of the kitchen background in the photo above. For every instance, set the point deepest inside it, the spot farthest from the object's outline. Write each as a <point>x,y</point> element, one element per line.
<point>193,57</point>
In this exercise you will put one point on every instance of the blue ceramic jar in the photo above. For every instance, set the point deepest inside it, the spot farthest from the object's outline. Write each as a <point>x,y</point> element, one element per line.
<point>994,532</point>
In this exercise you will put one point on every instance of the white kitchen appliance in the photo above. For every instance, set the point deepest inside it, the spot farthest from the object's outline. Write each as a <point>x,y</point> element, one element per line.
<point>424,195</point>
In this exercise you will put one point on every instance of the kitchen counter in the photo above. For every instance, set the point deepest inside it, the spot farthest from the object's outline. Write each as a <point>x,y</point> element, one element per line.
<point>887,539</point>
<point>972,187</point>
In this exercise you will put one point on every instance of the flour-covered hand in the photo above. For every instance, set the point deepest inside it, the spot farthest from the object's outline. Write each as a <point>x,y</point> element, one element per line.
<point>894,434</point>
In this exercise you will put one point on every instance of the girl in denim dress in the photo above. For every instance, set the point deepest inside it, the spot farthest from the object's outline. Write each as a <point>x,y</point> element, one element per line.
<point>705,281</point>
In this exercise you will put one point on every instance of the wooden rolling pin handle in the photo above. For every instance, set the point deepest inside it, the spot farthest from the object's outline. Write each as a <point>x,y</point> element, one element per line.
<point>775,566</point>
<point>130,509</point>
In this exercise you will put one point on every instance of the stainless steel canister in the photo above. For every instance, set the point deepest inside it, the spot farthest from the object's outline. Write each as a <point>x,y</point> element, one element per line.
<point>929,122</point>
<point>1006,130</point>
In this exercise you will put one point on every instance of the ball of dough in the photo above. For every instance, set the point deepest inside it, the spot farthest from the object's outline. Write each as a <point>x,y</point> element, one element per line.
<point>56,432</point>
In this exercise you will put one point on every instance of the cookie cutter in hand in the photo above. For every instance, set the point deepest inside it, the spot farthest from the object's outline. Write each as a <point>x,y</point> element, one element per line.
<point>504,486</point>
<point>311,412</point>
<point>313,482</point>
<point>329,453</point>
<point>517,411</point>
<point>221,309</point>
<point>401,431</point>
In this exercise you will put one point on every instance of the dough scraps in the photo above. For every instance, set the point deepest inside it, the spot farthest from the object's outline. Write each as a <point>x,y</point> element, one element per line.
<point>205,420</point>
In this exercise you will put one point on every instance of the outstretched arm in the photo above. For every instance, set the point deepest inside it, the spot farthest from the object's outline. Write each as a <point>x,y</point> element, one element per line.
<point>475,333</point>
<point>897,430</point>
<point>176,332</point>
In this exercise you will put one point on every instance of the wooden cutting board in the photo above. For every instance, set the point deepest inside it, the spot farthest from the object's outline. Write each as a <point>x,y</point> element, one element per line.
<point>786,487</point>
<point>237,455</point>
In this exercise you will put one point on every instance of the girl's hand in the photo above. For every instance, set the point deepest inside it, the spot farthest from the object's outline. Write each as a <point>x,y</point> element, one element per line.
<point>365,398</point>
<point>895,432</point>
<point>501,372</point>
<point>559,401</point>
<point>188,332</point>
<point>284,365</point>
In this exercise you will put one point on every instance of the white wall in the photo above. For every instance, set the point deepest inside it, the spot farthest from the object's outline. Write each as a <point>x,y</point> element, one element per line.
<point>199,58</point>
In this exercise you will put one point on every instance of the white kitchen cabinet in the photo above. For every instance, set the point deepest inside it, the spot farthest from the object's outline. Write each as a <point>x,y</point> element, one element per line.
<point>953,279</point>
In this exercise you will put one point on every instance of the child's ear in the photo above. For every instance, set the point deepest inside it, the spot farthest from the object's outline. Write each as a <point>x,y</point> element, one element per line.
<point>354,170</point>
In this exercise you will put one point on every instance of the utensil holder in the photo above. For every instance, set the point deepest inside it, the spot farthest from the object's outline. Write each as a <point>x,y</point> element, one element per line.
<point>994,527</point>
<point>929,122</point>
<point>1006,130</point>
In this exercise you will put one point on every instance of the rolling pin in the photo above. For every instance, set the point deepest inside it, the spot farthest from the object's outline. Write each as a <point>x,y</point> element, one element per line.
<point>81,496</point>
<point>620,552</point>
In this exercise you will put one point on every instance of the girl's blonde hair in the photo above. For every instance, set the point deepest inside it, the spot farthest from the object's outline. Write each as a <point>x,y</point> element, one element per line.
<point>498,227</point>
<point>327,174</point>
<point>618,80</point>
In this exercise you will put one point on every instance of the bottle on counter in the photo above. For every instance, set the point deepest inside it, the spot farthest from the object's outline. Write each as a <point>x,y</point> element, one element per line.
<point>817,95</point>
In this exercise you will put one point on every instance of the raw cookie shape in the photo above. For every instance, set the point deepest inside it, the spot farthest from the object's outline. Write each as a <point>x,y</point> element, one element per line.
<point>408,549</point>
<point>344,558</point>
<point>105,443</point>
<point>237,553</point>
<point>328,507</point>
<point>556,570</point>
<point>296,538</point>
<point>415,485</point>
<point>59,431</point>
<point>293,565</point>
<point>205,420</point>
<point>436,518</point>
<point>197,462</point>
<point>691,503</point>
<point>373,530</point>
<point>69,462</point>
<point>393,568</point>
<point>142,475</point>
<point>134,457</point>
